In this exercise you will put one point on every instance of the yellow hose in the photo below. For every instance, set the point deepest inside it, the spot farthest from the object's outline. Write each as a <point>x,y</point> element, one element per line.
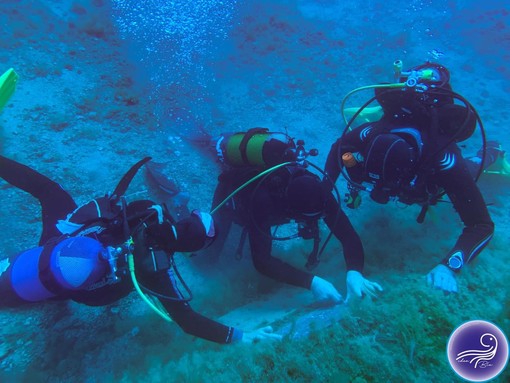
<point>247,183</point>
<point>131,266</point>
<point>342,107</point>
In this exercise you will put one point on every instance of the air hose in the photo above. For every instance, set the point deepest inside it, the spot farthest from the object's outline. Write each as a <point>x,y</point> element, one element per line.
<point>131,267</point>
<point>262,174</point>
<point>342,106</point>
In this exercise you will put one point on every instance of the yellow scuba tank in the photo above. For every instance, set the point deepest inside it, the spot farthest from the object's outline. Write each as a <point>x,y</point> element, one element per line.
<point>256,147</point>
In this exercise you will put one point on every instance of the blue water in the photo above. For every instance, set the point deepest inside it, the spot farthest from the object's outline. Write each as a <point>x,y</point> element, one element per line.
<point>104,83</point>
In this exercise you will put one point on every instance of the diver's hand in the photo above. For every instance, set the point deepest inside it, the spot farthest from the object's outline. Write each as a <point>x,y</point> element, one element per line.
<point>324,291</point>
<point>264,333</point>
<point>441,277</point>
<point>359,286</point>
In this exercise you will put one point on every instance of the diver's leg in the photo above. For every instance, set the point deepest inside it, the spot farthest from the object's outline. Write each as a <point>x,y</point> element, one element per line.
<point>8,297</point>
<point>473,165</point>
<point>55,202</point>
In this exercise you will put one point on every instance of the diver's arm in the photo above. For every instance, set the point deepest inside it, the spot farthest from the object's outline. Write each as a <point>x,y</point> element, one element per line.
<point>188,320</point>
<point>339,224</point>
<point>332,167</point>
<point>265,263</point>
<point>223,217</point>
<point>350,142</point>
<point>469,203</point>
<point>266,210</point>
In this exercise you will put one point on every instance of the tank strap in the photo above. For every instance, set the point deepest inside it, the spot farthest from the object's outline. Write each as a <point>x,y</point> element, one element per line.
<point>244,142</point>
<point>46,277</point>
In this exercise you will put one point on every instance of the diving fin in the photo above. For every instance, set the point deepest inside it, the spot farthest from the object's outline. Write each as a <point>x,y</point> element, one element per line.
<point>501,166</point>
<point>123,184</point>
<point>369,114</point>
<point>7,86</point>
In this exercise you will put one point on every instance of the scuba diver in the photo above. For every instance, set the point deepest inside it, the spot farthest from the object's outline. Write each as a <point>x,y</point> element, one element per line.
<point>409,153</point>
<point>97,253</point>
<point>266,183</point>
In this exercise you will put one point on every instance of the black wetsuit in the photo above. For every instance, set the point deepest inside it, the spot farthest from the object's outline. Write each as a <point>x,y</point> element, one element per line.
<point>262,205</point>
<point>436,171</point>
<point>56,204</point>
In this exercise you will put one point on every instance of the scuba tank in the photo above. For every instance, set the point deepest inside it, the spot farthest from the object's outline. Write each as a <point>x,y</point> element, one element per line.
<point>75,263</point>
<point>257,148</point>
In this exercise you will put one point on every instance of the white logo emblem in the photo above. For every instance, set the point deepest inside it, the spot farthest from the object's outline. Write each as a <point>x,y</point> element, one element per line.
<point>478,351</point>
<point>490,344</point>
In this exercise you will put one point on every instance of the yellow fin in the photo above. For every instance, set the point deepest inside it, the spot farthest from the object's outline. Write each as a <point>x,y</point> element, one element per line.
<point>500,166</point>
<point>7,86</point>
<point>370,114</point>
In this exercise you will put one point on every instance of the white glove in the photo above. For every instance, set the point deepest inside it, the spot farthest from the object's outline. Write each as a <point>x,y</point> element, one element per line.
<point>264,333</point>
<point>359,286</point>
<point>324,291</point>
<point>441,277</point>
